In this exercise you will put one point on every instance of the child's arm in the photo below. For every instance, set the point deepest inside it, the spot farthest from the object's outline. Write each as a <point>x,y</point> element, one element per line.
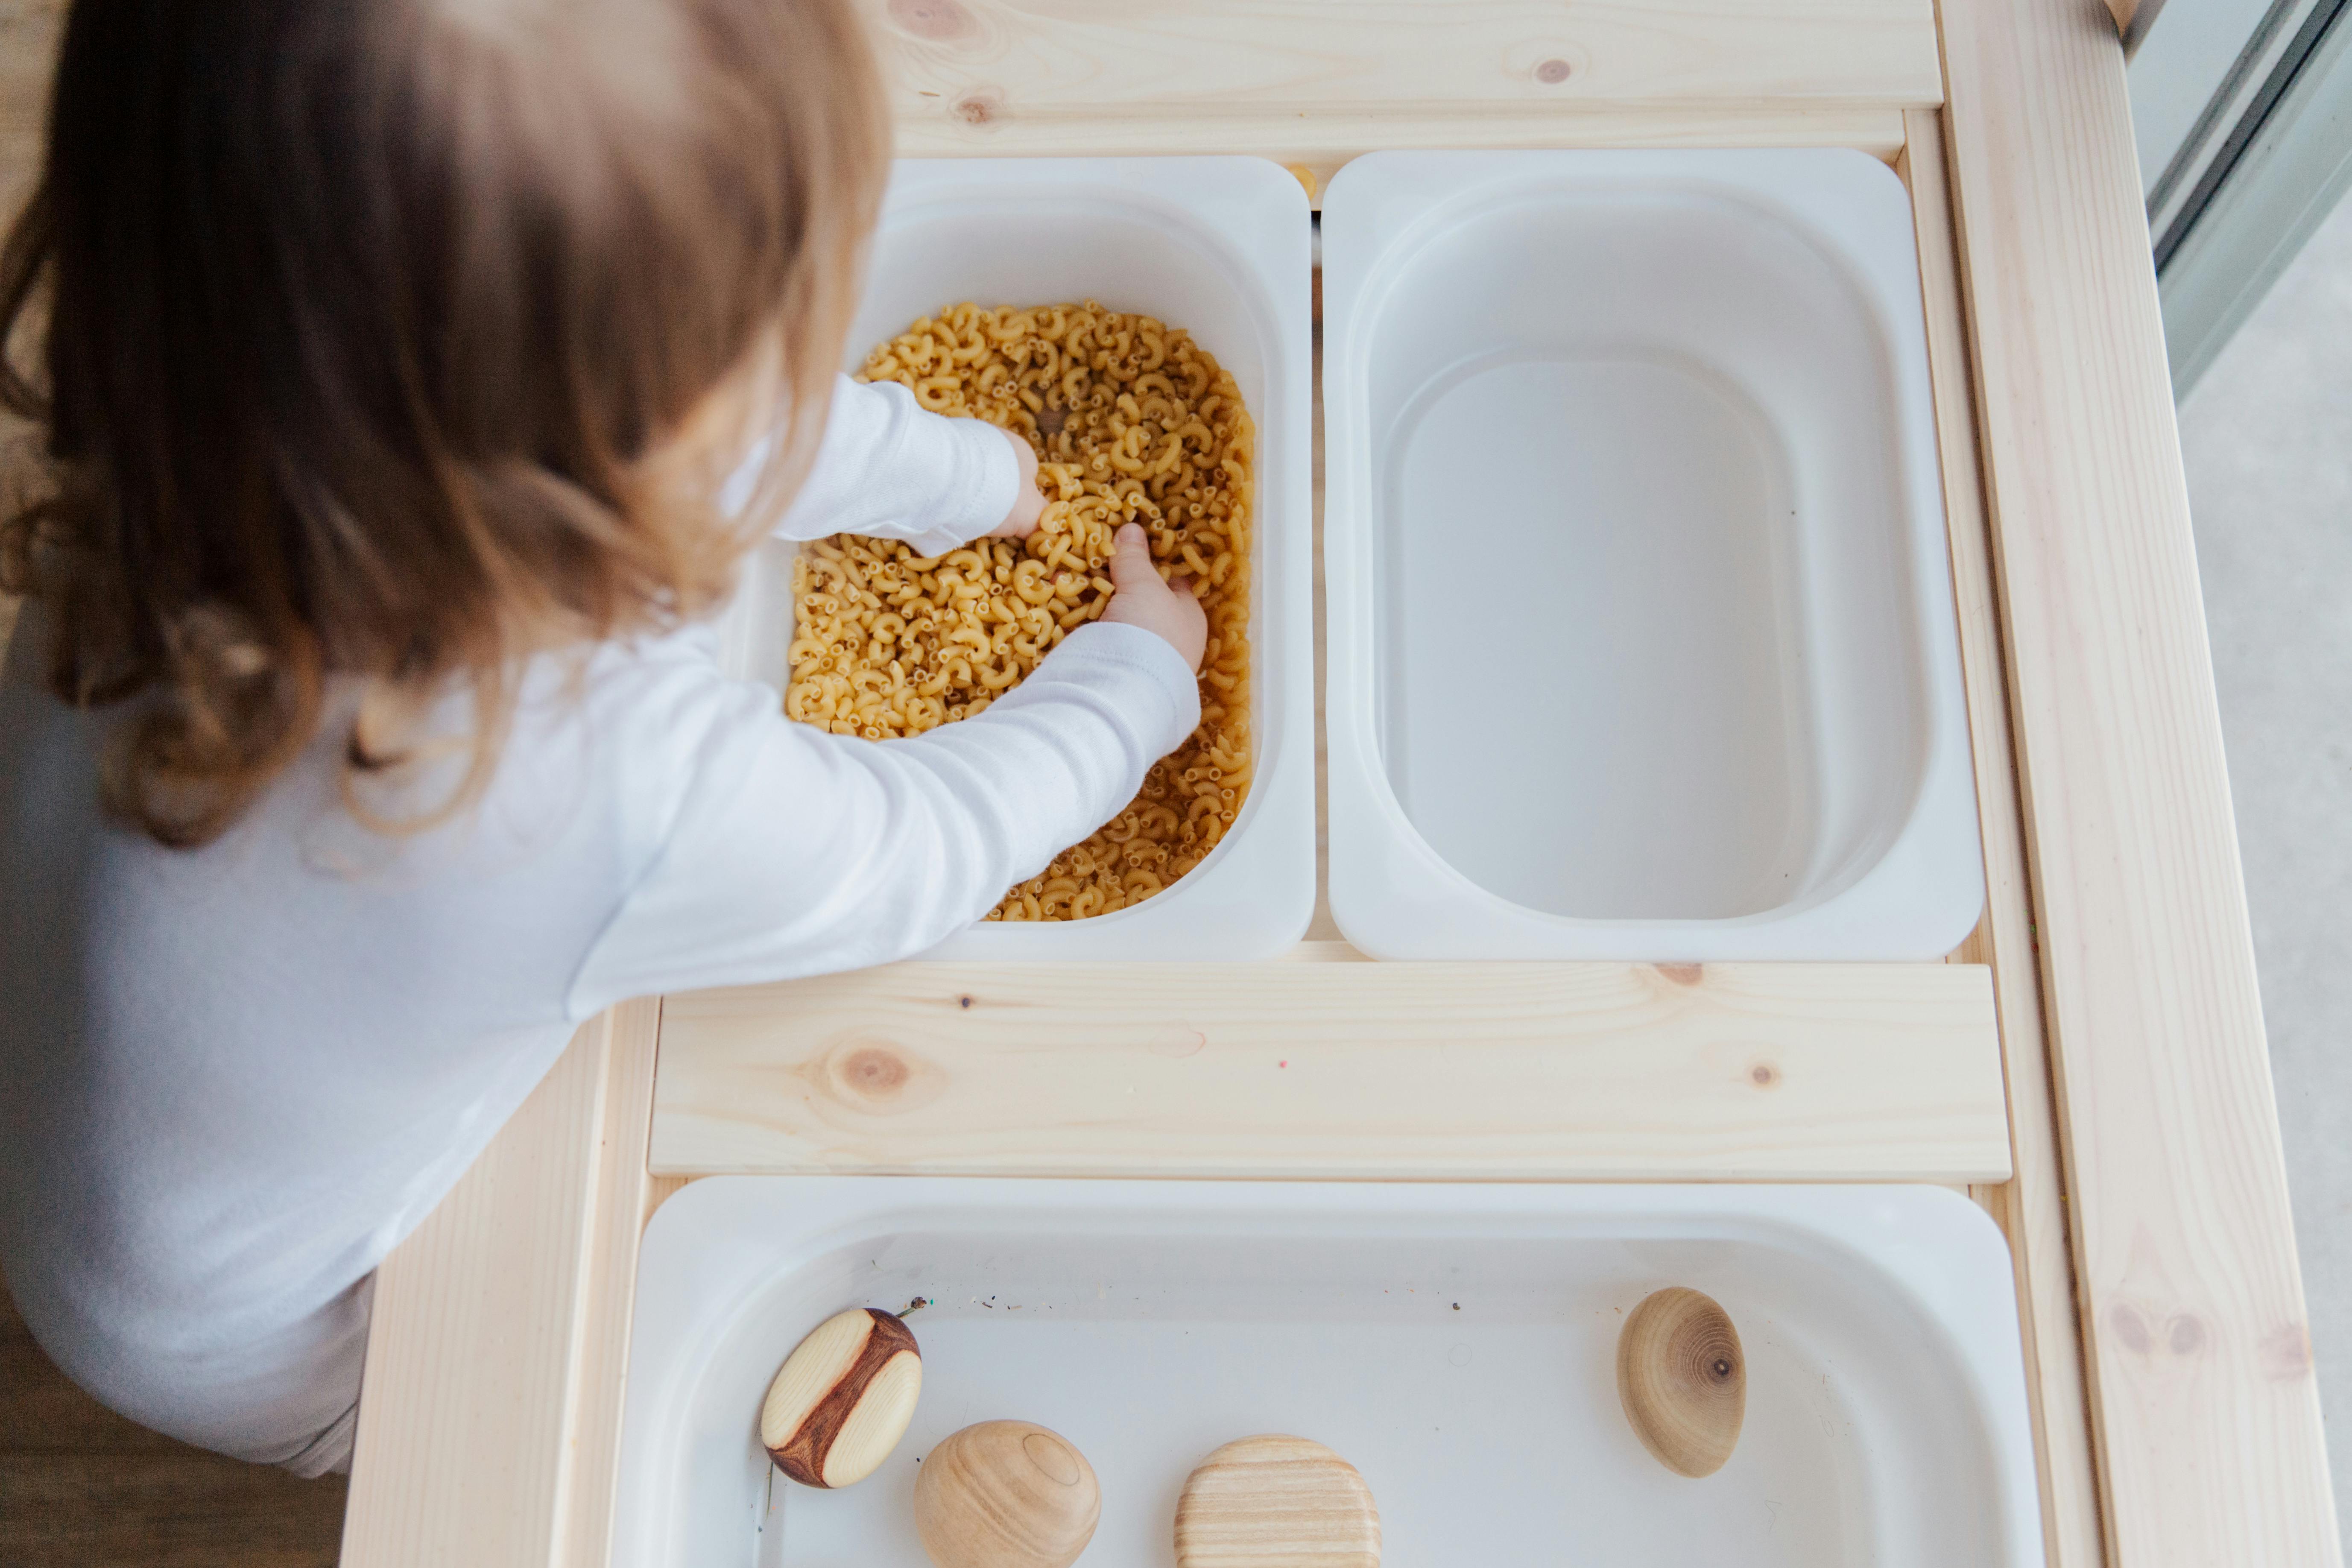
<point>890,469</point>
<point>791,851</point>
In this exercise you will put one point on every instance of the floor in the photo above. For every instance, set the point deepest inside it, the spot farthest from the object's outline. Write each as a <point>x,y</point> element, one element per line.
<point>82,1488</point>
<point>2268,439</point>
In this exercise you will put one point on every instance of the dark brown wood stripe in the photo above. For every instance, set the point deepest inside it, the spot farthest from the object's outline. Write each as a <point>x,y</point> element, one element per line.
<point>804,1453</point>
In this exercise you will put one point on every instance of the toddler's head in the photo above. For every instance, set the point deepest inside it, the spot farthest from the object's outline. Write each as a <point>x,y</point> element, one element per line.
<point>403,340</point>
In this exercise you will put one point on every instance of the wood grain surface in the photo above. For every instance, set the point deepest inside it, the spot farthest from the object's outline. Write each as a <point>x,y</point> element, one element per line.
<point>185,1509</point>
<point>1276,1501</point>
<point>490,1414</point>
<point>1495,1072</point>
<point>1006,1494</point>
<point>843,1398</point>
<point>1682,1379</point>
<point>2203,1399</point>
<point>81,1486</point>
<point>2031,1207</point>
<point>1313,82</point>
<point>622,1201</point>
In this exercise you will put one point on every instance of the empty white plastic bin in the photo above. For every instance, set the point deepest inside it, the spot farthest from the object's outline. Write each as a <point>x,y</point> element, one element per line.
<point>1456,1342</point>
<point>1641,627</point>
<point>1219,246</point>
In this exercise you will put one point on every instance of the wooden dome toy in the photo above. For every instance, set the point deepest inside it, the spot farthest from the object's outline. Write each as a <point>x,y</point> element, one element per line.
<point>1683,1381</point>
<point>1006,1494</point>
<point>1274,1501</point>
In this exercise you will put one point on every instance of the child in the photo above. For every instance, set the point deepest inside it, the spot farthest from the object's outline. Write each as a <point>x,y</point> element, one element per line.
<point>413,376</point>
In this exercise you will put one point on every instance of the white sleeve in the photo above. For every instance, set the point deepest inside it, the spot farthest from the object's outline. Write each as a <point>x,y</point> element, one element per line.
<point>891,469</point>
<point>794,851</point>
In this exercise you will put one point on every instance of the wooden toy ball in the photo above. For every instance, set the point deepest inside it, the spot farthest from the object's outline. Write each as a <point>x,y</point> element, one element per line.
<point>843,1398</point>
<point>1683,1381</point>
<point>1006,1494</point>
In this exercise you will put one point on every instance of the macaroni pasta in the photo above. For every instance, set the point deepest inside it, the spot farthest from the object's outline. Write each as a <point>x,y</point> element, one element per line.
<point>1133,422</point>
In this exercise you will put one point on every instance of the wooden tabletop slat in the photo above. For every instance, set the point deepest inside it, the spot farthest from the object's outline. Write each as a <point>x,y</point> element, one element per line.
<point>490,1414</point>
<point>2031,1207</point>
<point>1312,83</point>
<point>1504,1071</point>
<point>971,76</point>
<point>2206,1408</point>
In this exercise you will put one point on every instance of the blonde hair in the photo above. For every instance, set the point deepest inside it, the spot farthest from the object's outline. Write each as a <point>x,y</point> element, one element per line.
<point>358,327</point>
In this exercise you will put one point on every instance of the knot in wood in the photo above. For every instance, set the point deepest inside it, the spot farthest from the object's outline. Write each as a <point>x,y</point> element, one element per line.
<point>2285,1353</point>
<point>940,21</point>
<point>874,1072</point>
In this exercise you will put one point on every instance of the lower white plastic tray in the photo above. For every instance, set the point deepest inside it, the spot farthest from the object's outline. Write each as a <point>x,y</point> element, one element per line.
<point>1455,1342</point>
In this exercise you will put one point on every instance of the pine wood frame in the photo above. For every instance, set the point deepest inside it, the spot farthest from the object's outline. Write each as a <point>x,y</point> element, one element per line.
<point>2176,1413</point>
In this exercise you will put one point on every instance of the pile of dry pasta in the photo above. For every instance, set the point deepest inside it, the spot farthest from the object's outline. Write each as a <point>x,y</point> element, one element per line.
<point>1133,422</point>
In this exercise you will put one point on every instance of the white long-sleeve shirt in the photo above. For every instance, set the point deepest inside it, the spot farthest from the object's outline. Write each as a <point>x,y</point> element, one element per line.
<point>232,1079</point>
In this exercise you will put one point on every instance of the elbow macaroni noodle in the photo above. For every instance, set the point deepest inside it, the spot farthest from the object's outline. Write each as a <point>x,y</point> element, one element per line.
<point>1133,422</point>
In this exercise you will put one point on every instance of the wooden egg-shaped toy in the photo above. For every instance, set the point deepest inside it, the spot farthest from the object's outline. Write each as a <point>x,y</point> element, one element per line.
<point>1683,1381</point>
<point>843,1398</point>
<point>1275,1502</point>
<point>1006,1494</point>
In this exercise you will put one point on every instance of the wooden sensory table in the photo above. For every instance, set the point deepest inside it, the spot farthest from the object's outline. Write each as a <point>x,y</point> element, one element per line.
<point>2090,1066</point>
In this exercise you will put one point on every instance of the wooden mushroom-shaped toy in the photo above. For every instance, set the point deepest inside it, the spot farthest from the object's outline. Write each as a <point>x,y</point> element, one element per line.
<point>1006,1494</point>
<point>843,1398</point>
<point>1274,1501</point>
<point>1682,1380</point>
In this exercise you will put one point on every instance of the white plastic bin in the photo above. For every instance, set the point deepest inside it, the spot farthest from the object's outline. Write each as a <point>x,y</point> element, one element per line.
<point>1221,247</point>
<point>1641,629</point>
<point>1455,1342</point>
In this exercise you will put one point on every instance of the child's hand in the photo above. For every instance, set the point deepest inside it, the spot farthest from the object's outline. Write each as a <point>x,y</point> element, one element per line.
<point>1028,505</point>
<point>1143,600</point>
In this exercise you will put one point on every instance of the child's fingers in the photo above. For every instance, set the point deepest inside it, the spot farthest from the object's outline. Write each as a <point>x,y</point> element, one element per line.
<point>1168,609</point>
<point>1130,559</point>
